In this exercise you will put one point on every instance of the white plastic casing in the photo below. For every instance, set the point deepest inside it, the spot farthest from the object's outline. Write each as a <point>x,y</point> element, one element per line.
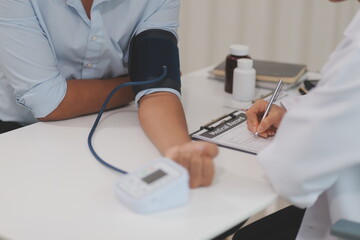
<point>244,80</point>
<point>160,184</point>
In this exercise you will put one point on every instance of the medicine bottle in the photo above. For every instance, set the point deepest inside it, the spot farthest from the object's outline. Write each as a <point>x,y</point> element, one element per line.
<point>244,80</point>
<point>237,51</point>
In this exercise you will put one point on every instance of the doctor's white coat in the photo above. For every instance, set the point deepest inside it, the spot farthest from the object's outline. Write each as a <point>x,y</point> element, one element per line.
<point>314,160</point>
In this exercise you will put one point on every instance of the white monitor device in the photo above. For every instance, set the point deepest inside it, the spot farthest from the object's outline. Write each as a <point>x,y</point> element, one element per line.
<point>161,184</point>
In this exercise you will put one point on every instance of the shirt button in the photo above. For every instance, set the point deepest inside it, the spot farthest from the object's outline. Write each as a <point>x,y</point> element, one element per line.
<point>94,38</point>
<point>89,65</point>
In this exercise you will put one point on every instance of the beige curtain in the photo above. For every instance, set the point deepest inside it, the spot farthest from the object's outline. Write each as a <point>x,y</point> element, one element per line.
<point>298,31</point>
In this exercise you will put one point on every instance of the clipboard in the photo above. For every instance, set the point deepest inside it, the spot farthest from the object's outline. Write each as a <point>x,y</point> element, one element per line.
<point>230,131</point>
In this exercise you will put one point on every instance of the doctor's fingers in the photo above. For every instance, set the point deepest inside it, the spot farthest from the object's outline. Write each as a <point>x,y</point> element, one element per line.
<point>271,121</point>
<point>268,133</point>
<point>254,113</point>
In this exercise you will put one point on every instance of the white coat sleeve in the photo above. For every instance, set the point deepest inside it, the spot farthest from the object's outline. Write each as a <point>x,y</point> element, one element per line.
<point>318,138</point>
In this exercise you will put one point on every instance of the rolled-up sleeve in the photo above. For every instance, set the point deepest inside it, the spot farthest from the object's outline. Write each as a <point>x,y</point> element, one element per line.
<point>27,60</point>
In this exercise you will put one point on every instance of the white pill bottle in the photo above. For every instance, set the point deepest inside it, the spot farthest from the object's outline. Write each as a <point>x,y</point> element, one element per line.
<point>244,80</point>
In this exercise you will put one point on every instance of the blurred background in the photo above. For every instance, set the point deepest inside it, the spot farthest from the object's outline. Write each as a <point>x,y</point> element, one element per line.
<point>295,31</point>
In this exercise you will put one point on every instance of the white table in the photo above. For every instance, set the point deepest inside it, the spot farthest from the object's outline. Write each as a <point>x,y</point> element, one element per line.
<point>51,187</point>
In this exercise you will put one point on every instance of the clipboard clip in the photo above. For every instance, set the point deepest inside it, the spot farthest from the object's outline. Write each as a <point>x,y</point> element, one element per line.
<point>209,126</point>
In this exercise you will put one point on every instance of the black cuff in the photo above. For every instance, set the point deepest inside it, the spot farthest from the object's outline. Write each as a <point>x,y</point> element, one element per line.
<point>149,52</point>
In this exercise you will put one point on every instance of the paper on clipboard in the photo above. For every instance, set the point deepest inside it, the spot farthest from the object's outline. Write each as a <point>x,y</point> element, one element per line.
<point>231,131</point>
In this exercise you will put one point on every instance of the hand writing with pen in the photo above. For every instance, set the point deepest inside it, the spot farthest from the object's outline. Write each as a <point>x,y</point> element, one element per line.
<point>268,126</point>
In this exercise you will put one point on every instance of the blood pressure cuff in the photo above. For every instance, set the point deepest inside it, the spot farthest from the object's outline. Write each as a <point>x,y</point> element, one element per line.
<point>149,52</point>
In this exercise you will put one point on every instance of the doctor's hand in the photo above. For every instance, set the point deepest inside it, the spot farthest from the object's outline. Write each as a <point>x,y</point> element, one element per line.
<point>197,157</point>
<point>270,124</point>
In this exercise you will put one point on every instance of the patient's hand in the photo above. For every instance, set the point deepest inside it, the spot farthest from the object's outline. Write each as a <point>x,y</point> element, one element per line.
<point>197,157</point>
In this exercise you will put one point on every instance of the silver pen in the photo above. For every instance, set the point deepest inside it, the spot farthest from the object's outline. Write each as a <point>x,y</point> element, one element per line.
<point>272,100</point>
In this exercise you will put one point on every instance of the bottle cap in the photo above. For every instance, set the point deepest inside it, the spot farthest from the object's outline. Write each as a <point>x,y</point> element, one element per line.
<point>239,50</point>
<point>245,63</point>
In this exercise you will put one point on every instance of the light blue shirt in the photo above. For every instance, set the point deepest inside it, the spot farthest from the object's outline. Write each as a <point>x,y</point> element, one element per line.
<point>45,42</point>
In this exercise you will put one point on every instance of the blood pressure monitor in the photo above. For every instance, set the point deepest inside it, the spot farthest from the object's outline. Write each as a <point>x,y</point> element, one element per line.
<point>158,185</point>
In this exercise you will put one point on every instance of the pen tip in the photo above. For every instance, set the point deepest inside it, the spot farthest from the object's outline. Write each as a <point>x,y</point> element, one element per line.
<point>256,134</point>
